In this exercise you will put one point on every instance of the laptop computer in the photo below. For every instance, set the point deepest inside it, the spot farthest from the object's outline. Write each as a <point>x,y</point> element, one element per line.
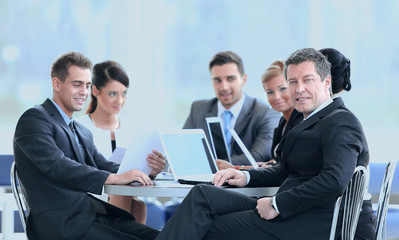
<point>189,155</point>
<point>219,144</point>
<point>243,148</point>
<point>218,140</point>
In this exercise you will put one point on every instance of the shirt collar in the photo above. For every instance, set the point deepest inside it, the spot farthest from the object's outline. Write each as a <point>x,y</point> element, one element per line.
<point>323,105</point>
<point>235,109</point>
<point>63,115</point>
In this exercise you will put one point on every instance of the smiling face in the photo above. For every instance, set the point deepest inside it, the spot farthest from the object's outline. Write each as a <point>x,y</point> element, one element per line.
<point>307,90</point>
<point>228,83</point>
<point>277,94</point>
<point>111,98</point>
<point>72,93</point>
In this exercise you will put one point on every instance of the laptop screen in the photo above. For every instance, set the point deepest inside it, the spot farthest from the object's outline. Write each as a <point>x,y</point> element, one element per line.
<point>217,137</point>
<point>187,152</point>
<point>243,148</point>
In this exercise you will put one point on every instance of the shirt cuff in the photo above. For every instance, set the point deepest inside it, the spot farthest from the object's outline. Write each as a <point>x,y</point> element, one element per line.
<point>248,176</point>
<point>275,204</point>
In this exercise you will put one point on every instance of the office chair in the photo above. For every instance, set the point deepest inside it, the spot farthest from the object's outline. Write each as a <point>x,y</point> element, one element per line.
<point>383,201</point>
<point>18,192</point>
<point>5,164</point>
<point>353,200</point>
<point>155,214</point>
<point>171,207</point>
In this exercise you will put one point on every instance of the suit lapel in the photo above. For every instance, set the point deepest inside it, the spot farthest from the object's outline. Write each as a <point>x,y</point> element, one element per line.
<point>278,132</point>
<point>291,135</point>
<point>84,140</point>
<point>244,117</point>
<point>212,110</point>
<point>53,111</point>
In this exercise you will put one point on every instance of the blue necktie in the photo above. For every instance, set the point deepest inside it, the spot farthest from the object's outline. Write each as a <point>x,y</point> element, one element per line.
<point>227,118</point>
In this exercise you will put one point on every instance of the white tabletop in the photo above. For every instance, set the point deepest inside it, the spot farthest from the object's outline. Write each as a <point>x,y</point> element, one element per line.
<point>174,189</point>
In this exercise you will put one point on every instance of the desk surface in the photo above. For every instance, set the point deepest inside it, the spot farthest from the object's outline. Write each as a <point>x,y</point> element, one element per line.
<point>173,189</point>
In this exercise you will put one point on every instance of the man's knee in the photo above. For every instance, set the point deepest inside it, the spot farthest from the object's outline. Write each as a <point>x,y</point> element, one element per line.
<point>201,189</point>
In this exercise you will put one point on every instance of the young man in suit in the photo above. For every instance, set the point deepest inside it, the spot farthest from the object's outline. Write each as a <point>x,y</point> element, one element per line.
<point>316,162</point>
<point>58,165</point>
<point>252,119</point>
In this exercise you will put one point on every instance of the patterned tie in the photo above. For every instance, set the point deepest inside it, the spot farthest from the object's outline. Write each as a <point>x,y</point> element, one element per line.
<point>227,118</point>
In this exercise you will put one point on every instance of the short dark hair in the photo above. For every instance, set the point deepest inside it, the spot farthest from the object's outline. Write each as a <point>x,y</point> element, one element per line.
<point>323,67</point>
<point>340,70</point>
<point>102,74</point>
<point>60,68</point>
<point>222,58</point>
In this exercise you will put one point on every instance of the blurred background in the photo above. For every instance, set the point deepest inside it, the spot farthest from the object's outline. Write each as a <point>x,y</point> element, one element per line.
<point>166,45</point>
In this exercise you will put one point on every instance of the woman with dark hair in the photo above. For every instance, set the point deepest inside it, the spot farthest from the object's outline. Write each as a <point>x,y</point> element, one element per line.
<point>340,70</point>
<point>340,76</point>
<point>109,89</point>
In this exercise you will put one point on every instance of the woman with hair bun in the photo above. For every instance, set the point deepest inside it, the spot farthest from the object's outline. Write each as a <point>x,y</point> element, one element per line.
<point>109,89</point>
<point>340,70</point>
<point>340,76</point>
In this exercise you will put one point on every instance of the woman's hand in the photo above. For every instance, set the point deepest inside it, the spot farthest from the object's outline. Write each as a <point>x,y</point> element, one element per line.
<point>269,163</point>
<point>156,161</point>
<point>222,164</point>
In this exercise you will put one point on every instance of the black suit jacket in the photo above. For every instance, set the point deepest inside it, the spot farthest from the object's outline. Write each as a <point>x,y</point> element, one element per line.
<point>295,119</point>
<point>56,179</point>
<point>317,160</point>
<point>254,125</point>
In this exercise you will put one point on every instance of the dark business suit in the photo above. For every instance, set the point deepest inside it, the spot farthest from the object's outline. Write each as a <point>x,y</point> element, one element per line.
<point>283,128</point>
<point>317,160</point>
<point>255,125</point>
<point>365,226</point>
<point>57,176</point>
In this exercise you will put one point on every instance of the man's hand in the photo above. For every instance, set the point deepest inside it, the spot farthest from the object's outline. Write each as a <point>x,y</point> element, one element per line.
<point>231,176</point>
<point>265,209</point>
<point>129,177</point>
<point>222,164</point>
<point>156,161</point>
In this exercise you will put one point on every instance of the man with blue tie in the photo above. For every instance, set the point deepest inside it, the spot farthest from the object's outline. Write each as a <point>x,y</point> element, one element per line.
<point>252,119</point>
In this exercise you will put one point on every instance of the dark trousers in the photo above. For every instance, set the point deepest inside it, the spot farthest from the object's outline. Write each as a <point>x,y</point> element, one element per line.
<point>214,213</point>
<point>118,227</point>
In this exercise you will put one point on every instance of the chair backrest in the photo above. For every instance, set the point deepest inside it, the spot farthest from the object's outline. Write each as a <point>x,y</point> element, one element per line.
<point>5,163</point>
<point>383,200</point>
<point>18,192</point>
<point>377,173</point>
<point>353,200</point>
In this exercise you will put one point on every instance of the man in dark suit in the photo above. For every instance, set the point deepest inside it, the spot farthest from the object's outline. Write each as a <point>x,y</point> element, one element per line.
<point>58,165</point>
<point>317,159</point>
<point>252,119</point>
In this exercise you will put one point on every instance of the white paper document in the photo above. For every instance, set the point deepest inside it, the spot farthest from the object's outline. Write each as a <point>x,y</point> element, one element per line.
<point>139,148</point>
<point>117,155</point>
